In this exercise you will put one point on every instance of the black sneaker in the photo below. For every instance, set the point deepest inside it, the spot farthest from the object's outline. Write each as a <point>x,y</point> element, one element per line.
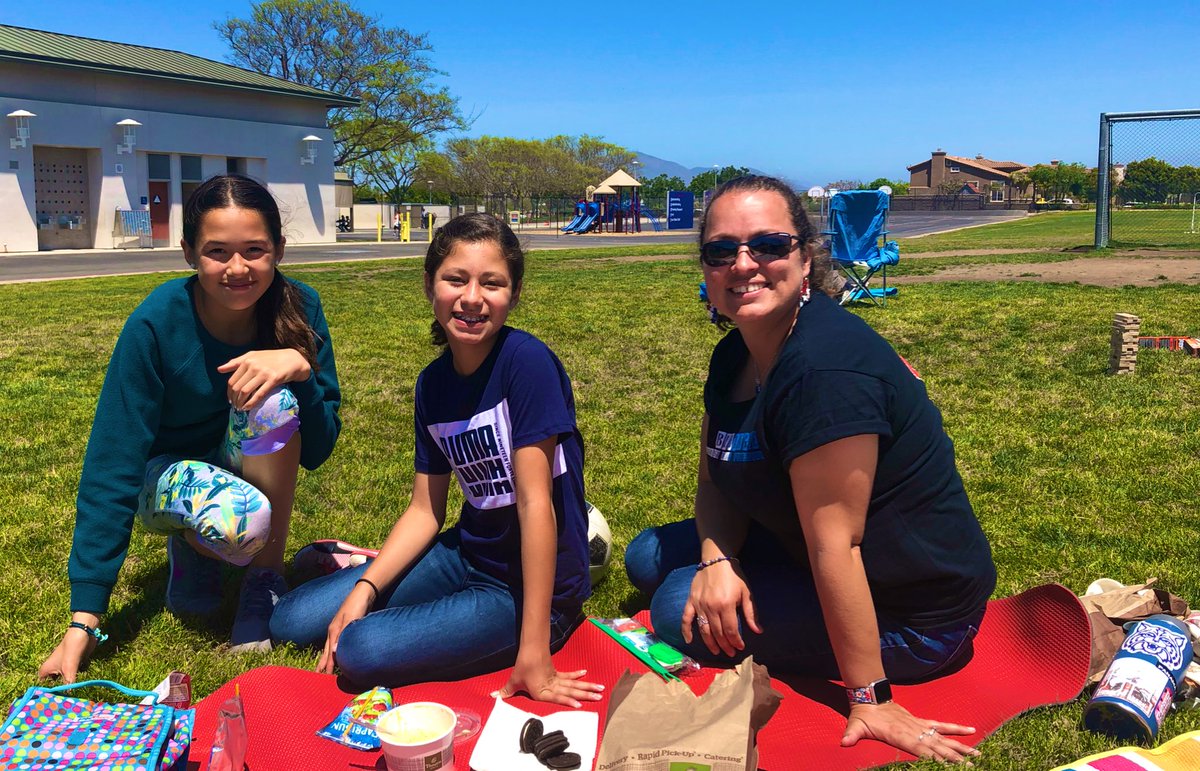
<point>261,589</point>
<point>193,582</point>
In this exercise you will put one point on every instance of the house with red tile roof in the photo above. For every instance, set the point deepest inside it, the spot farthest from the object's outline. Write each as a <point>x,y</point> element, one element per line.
<point>979,175</point>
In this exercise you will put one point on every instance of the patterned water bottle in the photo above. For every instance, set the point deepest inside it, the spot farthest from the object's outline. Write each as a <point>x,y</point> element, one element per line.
<point>1139,685</point>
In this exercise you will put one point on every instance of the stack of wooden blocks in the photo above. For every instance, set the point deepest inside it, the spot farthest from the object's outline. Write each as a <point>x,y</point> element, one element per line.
<point>1124,344</point>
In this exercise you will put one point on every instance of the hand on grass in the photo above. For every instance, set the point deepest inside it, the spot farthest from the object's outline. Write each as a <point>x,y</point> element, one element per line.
<point>356,605</point>
<point>892,724</point>
<point>542,682</point>
<point>72,651</point>
<point>252,375</point>
<point>717,593</point>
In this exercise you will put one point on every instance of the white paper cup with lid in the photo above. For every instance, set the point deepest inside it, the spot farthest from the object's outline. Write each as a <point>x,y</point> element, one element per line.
<point>418,736</point>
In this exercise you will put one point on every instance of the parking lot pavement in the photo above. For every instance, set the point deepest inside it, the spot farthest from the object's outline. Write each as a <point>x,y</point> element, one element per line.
<point>908,224</point>
<point>42,266</point>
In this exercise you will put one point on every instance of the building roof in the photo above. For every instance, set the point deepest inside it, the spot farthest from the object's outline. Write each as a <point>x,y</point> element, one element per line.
<point>37,46</point>
<point>1002,168</point>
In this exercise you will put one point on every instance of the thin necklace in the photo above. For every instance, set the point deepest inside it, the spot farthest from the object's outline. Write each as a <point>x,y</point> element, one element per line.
<point>757,377</point>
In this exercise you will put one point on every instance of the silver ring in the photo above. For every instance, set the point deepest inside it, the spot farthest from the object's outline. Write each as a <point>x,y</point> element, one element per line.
<point>702,620</point>
<point>926,734</point>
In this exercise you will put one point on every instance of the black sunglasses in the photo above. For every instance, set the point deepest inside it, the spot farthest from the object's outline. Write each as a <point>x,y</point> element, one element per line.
<point>764,248</point>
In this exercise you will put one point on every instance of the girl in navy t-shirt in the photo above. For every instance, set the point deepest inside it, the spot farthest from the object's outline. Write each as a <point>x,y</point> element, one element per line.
<point>506,586</point>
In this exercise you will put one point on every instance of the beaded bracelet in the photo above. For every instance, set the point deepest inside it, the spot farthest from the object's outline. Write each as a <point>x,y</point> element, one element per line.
<point>713,561</point>
<point>90,631</point>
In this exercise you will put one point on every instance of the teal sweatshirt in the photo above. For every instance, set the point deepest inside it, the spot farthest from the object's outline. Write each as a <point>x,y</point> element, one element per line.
<point>163,395</point>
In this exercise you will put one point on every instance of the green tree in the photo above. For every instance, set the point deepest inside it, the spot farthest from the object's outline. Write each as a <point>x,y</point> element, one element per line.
<point>1041,178</point>
<point>708,180</point>
<point>1068,179</point>
<point>950,188</point>
<point>1019,183</point>
<point>328,44</point>
<point>845,184</point>
<point>659,186</point>
<point>434,166</point>
<point>1186,183</point>
<point>391,171</point>
<point>594,153</point>
<point>488,165</point>
<point>898,187</point>
<point>1147,181</point>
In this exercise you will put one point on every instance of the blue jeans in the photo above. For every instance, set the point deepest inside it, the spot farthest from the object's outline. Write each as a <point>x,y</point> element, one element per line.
<point>661,562</point>
<point>443,620</point>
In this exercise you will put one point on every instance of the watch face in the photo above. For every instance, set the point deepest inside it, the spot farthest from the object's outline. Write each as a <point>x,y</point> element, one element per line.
<point>883,691</point>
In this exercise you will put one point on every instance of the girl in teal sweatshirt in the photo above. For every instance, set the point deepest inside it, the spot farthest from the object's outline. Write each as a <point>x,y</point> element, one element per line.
<point>220,386</point>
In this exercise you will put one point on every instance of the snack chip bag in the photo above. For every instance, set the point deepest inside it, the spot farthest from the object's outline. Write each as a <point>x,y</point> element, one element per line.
<point>353,725</point>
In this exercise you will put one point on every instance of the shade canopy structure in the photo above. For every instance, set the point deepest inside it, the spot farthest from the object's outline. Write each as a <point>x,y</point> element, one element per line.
<point>620,179</point>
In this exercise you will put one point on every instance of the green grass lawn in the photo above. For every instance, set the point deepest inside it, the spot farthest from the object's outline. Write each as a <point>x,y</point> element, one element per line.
<point>1059,230</point>
<point>1156,227</point>
<point>1048,230</point>
<point>1074,474</point>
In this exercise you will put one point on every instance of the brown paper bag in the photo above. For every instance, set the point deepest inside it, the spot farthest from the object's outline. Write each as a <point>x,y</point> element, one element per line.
<point>1109,611</point>
<point>662,726</point>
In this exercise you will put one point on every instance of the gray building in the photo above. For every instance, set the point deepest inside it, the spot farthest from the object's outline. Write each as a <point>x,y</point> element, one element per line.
<point>105,140</point>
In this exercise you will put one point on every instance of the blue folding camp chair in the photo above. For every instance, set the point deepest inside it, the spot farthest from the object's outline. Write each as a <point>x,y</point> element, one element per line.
<point>857,222</point>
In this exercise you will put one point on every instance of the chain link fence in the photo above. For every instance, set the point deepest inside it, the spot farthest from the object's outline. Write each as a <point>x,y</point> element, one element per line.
<point>1148,179</point>
<point>552,210</point>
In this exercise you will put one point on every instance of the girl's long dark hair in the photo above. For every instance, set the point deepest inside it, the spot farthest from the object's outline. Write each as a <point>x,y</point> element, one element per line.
<point>472,228</point>
<point>279,313</point>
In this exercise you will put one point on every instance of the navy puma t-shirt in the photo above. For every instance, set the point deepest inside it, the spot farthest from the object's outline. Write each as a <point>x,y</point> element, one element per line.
<point>473,425</point>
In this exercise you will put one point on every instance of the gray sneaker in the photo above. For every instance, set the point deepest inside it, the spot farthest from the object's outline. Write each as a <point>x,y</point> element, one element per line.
<point>261,589</point>
<point>193,581</point>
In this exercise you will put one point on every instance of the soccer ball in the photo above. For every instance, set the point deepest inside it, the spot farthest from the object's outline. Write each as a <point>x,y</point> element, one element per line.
<point>599,544</point>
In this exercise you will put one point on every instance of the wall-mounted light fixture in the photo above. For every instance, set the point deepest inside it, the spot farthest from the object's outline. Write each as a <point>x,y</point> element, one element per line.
<point>20,119</point>
<point>129,134</point>
<point>310,149</point>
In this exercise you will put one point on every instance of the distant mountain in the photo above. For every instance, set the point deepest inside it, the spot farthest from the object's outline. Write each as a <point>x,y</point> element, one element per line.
<point>651,166</point>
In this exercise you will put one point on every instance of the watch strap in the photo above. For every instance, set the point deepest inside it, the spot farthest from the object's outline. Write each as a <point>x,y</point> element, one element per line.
<point>878,692</point>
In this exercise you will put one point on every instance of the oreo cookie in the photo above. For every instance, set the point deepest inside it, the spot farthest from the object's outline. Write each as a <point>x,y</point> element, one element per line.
<point>564,761</point>
<point>530,733</point>
<point>553,743</point>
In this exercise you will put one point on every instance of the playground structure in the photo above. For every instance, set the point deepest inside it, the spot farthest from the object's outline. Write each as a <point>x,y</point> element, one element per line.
<point>614,206</point>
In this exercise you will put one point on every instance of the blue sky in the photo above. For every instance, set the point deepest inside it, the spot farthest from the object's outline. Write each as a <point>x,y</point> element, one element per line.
<point>810,91</point>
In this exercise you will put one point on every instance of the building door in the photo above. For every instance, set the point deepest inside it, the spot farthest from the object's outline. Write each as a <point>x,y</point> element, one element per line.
<point>159,179</point>
<point>60,184</point>
<point>160,213</point>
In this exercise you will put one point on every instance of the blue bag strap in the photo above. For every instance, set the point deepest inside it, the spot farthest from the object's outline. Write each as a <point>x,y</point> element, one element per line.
<point>106,683</point>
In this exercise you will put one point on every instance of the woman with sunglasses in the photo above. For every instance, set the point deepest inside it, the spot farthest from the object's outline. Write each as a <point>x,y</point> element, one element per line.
<point>832,534</point>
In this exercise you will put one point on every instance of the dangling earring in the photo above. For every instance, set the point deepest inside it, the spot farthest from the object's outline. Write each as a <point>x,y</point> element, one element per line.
<point>713,316</point>
<point>805,292</point>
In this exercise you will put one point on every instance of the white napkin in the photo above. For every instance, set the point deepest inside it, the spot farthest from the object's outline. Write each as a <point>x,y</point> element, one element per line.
<point>499,745</point>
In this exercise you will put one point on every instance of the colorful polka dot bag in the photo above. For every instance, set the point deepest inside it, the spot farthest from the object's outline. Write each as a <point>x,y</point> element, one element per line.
<point>47,730</point>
